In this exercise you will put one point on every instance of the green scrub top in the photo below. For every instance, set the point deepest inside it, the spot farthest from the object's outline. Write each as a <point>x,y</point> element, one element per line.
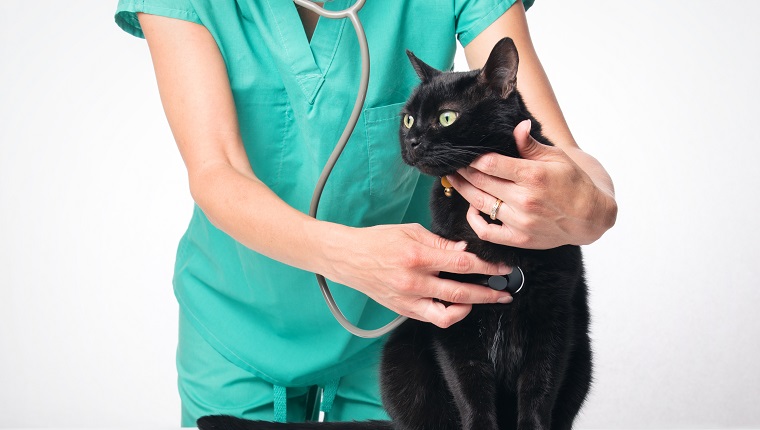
<point>293,98</point>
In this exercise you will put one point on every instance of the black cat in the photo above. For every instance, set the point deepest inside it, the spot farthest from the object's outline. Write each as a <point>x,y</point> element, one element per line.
<point>524,365</point>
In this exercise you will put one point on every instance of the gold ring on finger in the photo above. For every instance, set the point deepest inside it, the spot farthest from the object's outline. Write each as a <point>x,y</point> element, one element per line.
<point>495,208</point>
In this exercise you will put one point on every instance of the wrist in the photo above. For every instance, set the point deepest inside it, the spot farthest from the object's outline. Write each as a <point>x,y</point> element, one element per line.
<point>609,214</point>
<point>604,214</point>
<point>329,242</point>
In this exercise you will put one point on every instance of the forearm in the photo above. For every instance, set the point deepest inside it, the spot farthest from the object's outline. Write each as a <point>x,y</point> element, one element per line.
<point>246,209</point>
<point>199,105</point>
<point>593,168</point>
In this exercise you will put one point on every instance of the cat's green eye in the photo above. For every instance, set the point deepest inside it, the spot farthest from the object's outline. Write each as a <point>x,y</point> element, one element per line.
<point>408,121</point>
<point>447,117</point>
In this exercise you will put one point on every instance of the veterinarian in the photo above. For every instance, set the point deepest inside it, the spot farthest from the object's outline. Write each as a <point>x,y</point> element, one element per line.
<point>256,98</point>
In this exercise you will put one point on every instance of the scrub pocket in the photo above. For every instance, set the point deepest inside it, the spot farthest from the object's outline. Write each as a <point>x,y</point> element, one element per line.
<point>392,182</point>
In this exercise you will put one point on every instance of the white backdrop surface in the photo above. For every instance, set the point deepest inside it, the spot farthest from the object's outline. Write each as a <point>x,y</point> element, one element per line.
<point>93,199</point>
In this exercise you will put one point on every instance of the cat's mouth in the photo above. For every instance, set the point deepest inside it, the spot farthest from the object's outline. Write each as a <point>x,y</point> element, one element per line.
<point>435,169</point>
<point>433,165</point>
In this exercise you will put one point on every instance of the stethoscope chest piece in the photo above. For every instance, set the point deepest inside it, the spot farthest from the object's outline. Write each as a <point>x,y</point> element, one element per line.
<point>512,282</point>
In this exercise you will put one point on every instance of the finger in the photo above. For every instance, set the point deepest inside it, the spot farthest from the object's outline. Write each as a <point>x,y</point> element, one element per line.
<point>448,256</point>
<point>460,292</point>
<point>483,190</point>
<point>516,169</point>
<point>442,315</point>
<point>434,241</point>
<point>528,147</point>
<point>436,260</point>
<point>504,234</point>
<point>500,166</point>
<point>506,167</point>
<point>461,262</point>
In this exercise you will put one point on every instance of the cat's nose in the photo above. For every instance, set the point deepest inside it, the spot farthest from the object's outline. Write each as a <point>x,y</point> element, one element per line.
<point>413,142</point>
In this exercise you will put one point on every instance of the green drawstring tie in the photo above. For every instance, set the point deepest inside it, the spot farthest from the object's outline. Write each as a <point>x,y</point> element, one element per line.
<point>280,404</point>
<point>328,396</point>
<point>325,402</point>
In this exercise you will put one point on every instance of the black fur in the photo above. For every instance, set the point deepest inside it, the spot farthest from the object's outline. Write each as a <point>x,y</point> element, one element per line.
<point>226,422</point>
<point>524,365</point>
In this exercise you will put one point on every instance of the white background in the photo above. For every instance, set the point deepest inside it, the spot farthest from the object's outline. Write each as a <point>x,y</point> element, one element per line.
<point>93,199</point>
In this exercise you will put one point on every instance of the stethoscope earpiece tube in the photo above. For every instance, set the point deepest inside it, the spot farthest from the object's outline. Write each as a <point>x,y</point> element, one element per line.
<point>351,14</point>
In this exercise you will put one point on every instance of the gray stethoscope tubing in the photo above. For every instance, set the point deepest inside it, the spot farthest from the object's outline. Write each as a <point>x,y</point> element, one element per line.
<point>351,14</point>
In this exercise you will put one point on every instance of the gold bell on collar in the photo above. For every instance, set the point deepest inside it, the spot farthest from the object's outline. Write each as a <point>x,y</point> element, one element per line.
<point>447,188</point>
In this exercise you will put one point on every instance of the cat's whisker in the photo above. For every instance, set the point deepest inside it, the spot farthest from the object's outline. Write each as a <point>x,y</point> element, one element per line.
<point>464,154</point>
<point>464,148</point>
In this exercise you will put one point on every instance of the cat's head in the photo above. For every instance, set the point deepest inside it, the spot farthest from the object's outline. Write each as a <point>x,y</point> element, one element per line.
<point>453,117</point>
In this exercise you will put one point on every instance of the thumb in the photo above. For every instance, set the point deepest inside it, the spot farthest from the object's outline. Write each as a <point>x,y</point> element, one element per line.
<point>527,146</point>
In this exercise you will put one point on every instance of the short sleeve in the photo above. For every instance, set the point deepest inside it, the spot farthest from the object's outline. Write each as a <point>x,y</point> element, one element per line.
<point>126,12</point>
<point>474,16</point>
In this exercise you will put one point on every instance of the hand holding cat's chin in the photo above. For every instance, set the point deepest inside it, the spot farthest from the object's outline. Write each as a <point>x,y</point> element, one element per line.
<point>398,266</point>
<point>548,200</point>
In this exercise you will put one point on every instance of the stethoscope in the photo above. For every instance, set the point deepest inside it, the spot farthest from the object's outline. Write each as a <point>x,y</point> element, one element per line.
<point>351,14</point>
<point>510,282</point>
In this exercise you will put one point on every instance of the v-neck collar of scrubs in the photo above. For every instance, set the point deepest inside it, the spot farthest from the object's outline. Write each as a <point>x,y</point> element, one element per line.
<point>307,61</point>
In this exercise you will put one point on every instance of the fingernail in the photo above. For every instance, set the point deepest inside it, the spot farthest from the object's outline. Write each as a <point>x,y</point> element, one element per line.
<point>505,299</point>
<point>504,269</point>
<point>460,246</point>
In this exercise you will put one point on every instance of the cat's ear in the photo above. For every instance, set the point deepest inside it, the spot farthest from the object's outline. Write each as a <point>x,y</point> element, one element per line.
<point>500,71</point>
<point>424,71</point>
